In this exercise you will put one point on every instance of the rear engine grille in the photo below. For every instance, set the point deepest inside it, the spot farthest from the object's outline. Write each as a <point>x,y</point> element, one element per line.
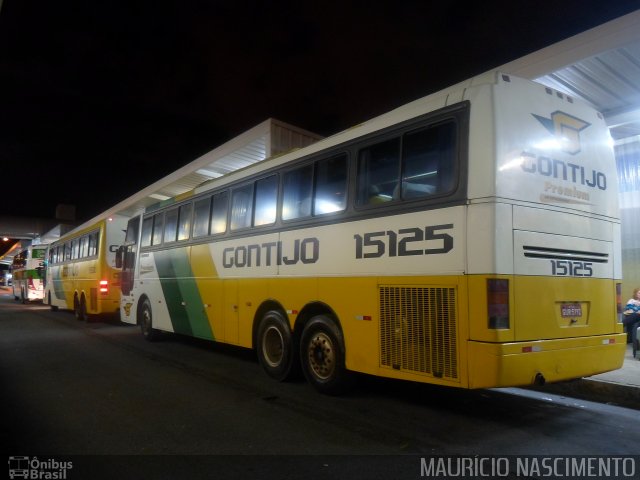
<point>418,330</point>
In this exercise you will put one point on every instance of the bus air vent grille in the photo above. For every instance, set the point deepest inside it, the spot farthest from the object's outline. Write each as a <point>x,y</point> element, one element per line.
<point>418,330</point>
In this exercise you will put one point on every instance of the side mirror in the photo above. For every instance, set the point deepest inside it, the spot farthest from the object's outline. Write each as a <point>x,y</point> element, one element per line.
<point>119,256</point>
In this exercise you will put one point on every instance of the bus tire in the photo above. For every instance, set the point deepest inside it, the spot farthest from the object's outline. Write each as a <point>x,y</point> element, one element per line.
<point>80,309</point>
<point>275,347</point>
<point>146,322</point>
<point>76,308</point>
<point>322,355</point>
<point>84,316</point>
<point>53,307</point>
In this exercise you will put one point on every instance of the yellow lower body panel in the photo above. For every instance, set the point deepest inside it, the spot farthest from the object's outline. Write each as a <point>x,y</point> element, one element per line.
<point>525,363</point>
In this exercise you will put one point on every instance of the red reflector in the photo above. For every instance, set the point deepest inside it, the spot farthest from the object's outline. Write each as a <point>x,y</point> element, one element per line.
<point>531,348</point>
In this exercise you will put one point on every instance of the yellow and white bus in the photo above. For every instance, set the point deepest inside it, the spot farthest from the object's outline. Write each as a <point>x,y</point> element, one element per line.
<point>28,273</point>
<point>81,271</point>
<point>470,238</point>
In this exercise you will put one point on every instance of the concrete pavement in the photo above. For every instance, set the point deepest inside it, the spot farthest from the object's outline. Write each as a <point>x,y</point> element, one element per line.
<point>619,387</point>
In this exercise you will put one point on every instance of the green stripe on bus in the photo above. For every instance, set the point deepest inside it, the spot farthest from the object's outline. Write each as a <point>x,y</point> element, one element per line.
<point>181,293</point>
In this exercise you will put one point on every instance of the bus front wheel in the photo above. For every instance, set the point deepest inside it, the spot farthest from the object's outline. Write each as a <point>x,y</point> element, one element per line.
<point>53,307</point>
<point>146,322</point>
<point>274,346</point>
<point>322,355</point>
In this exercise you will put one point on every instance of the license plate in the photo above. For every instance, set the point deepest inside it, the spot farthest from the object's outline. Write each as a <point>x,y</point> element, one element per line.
<point>571,310</point>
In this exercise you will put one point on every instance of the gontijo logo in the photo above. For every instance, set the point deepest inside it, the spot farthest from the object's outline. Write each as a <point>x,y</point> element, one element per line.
<point>566,129</point>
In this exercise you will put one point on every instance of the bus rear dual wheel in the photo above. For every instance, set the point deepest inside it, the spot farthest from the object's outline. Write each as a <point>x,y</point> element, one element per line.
<point>80,309</point>
<point>321,352</point>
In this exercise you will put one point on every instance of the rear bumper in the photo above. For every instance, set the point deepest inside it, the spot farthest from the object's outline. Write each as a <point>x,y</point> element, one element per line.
<point>525,363</point>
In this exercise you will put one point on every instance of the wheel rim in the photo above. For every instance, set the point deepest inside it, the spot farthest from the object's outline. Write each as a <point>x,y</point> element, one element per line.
<point>322,356</point>
<point>273,346</point>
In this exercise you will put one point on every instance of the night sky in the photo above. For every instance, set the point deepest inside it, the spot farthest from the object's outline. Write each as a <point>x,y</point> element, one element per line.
<point>100,99</point>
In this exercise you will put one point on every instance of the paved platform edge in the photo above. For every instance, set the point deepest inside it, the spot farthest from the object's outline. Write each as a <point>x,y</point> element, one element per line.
<point>595,390</point>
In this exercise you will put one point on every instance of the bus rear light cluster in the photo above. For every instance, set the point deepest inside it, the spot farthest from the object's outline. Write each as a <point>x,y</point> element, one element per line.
<point>619,297</point>
<point>498,303</point>
<point>104,287</point>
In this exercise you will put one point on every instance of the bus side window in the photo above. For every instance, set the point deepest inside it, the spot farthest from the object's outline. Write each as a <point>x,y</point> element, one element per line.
<point>241,206</point>
<point>132,230</point>
<point>266,201</point>
<point>428,162</point>
<point>331,185</point>
<point>201,217</point>
<point>156,238</point>
<point>184,222</point>
<point>67,251</point>
<point>297,186</point>
<point>147,228</point>
<point>219,213</point>
<point>93,244</point>
<point>75,248</point>
<point>170,227</point>
<point>84,247</point>
<point>378,171</point>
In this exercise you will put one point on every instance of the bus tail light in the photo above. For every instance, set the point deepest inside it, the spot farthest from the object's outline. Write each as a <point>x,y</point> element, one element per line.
<point>104,287</point>
<point>619,297</point>
<point>498,303</point>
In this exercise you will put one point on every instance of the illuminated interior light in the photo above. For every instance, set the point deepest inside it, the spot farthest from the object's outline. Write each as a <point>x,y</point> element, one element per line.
<point>159,196</point>
<point>324,206</point>
<point>209,173</point>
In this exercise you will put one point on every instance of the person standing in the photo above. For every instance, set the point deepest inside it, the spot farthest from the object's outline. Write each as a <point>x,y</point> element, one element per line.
<point>631,319</point>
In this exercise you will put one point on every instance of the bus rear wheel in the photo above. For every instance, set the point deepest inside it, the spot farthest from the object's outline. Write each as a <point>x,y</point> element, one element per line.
<point>146,322</point>
<point>322,355</point>
<point>274,346</point>
<point>80,310</point>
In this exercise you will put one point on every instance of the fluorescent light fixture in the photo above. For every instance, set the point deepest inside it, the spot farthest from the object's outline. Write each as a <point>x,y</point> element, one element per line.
<point>209,173</point>
<point>158,196</point>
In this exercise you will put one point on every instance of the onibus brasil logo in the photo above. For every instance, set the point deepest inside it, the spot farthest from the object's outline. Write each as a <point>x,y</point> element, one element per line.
<point>34,468</point>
